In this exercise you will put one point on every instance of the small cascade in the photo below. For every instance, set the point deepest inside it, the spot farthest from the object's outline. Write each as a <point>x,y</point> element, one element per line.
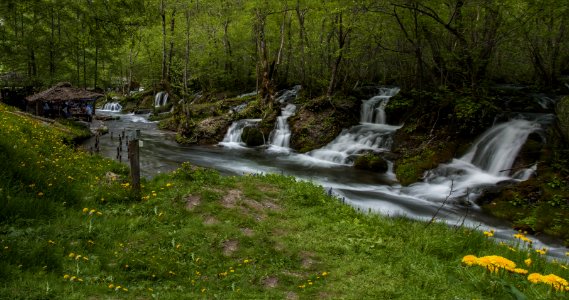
<point>373,134</point>
<point>280,136</point>
<point>373,110</point>
<point>496,150</point>
<point>161,99</point>
<point>112,107</point>
<point>488,162</point>
<point>233,136</point>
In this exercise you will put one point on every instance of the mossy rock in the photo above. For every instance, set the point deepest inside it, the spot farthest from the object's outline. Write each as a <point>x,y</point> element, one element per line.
<point>252,136</point>
<point>371,162</point>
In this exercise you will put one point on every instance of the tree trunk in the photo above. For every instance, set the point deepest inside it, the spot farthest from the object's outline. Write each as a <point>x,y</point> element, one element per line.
<point>187,54</point>
<point>171,52</point>
<point>163,18</point>
<point>336,66</point>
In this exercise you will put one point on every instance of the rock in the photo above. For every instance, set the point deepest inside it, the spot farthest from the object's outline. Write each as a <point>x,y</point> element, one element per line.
<point>371,162</point>
<point>252,136</point>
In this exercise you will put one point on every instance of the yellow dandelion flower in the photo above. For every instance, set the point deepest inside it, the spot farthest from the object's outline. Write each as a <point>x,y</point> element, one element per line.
<point>203,290</point>
<point>125,289</point>
<point>489,233</point>
<point>66,276</point>
<point>246,261</point>
<point>520,271</point>
<point>71,255</point>
<point>468,260</point>
<point>85,210</point>
<point>541,251</point>
<point>324,273</point>
<point>72,278</point>
<point>528,262</point>
<point>92,211</point>
<point>78,257</point>
<point>168,184</point>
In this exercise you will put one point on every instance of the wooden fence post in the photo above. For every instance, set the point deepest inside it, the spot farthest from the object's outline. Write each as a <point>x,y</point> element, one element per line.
<point>134,158</point>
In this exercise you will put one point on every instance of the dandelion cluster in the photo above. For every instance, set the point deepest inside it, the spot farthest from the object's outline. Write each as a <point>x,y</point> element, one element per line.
<point>493,263</point>
<point>522,237</point>
<point>558,283</point>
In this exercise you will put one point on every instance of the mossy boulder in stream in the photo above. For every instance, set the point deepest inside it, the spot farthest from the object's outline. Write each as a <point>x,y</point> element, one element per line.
<point>252,136</point>
<point>371,162</point>
<point>318,121</point>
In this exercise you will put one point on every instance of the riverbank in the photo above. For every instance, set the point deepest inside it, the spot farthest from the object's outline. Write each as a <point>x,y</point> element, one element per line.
<point>69,229</point>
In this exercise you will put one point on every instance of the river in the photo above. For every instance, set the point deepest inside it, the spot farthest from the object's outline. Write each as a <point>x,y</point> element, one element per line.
<point>367,191</point>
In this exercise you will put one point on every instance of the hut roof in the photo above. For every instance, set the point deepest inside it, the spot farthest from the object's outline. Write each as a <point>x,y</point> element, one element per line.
<point>63,92</point>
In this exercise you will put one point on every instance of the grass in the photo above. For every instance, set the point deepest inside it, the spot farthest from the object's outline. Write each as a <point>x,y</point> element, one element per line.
<point>69,229</point>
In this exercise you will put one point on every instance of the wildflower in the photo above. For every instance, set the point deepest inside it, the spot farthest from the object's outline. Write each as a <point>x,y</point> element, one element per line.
<point>66,276</point>
<point>541,251</point>
<point>324,274</point>
<point>72,255</point>
<point>520,271</point>
<point>72,278</point>
<point>51,242</point>
<point>91,212</point>
<point>99,213</point>
<point>302,286</point>
<point>168,184</point>
<point>125,289</point>
<point>512,249</point>
<point>77,257</point>
<point>85,210</point>
<point>203,290</point>
<point>489,233</point>
<point>555,281</point>
<point>528,262</point>
<point>566,253</point>
<point>246,261</point>
<point>468,260</point>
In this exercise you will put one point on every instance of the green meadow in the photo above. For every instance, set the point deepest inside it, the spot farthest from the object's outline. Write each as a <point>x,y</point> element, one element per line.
<point>71,228</point>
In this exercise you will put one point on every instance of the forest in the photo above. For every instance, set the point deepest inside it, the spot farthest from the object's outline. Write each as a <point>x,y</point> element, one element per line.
<point>243,45</point>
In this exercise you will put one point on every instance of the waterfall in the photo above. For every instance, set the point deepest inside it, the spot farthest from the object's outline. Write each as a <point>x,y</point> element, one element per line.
<point>161,99</point>
<point>280,136</point>
<point>373,110</point>
<point>486,163</point>
<point>112,107</point>
<point>496,150</point>
<point>373,134</point>
<point>232,138</point>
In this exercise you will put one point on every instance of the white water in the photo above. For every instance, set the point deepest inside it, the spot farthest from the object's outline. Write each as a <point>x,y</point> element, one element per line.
<point>161,99</point>
<point>279,139</point>
<point>112,107</point>
<point>280,136</point>
<point>232,138</point>
<point>365,190</point>
<point>371,135</point>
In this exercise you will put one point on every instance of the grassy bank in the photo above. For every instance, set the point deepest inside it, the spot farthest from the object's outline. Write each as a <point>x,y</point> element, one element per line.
<point>70,230</point>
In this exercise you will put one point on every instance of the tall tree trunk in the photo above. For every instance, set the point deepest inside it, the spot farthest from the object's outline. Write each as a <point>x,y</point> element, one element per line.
<point>301,33</point>
<point>171,52</point>
<point>341,35</point>
<point>187,54</point>
<point>227,44</point>
<point>163,18</point>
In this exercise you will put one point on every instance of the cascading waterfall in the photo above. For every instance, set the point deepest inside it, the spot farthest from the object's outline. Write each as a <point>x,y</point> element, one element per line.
<point>280,136</point>
<point>232,138</point>
<point>112,107</point>
<point>371,135</point>
<point>488,162</point>
<point>161,99</point>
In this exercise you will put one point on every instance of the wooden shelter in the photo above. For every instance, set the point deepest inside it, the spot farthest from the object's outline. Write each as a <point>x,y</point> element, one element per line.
<point>63,100</point>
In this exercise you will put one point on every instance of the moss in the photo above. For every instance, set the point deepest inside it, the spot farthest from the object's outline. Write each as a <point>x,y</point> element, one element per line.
<point>252,136</point>
<point>371,162</point>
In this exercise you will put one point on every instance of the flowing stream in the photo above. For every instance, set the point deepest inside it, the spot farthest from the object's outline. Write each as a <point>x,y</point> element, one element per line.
<point>482,165</point>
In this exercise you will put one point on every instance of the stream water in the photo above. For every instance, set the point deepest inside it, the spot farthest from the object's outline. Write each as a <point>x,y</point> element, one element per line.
<point>482,165</point>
